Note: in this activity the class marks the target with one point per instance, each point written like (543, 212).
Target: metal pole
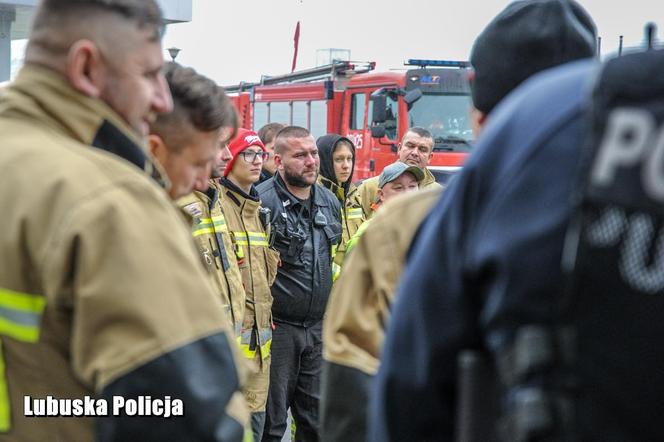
(7, 16)
(620, 46)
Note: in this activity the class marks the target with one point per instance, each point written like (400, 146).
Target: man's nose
(162, 101)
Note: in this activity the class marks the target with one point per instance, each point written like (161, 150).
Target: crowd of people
(154, 249)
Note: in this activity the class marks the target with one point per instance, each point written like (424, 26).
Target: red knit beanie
(245, 138)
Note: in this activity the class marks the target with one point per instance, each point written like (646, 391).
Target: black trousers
(294, 382)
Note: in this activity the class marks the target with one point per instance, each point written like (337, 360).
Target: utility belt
(525, 395)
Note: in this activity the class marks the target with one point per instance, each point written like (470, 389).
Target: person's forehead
(304, 143)
(413, 138)
(143, 50)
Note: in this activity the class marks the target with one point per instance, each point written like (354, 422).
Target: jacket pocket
(272, 262)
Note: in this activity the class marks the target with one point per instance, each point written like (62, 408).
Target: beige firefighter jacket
(369, 188)
(258, 264)
(359, 306)
(215, 245)
(352, 215)
(99, 276)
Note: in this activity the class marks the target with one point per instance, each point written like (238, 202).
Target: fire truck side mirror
(378, 131)
(379, 108)
(411, 97)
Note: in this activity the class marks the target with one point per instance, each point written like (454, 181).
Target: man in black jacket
(306, 227)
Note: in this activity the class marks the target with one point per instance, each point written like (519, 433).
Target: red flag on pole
(296, 41)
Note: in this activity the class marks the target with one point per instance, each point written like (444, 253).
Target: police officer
(306, 226)
(101, 290)
(360, 304)
(257, 261)
(489, 259)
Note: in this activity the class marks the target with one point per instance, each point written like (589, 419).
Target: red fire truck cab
(372, 109)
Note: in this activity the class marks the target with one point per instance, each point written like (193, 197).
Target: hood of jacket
(327, 144)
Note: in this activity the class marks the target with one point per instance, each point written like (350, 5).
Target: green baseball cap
(395, 170)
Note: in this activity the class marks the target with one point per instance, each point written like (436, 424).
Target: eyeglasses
(251, 155)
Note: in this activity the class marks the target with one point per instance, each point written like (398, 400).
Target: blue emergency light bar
(440, 63)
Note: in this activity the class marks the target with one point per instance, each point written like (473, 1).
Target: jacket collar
(45, 95)
(285, 195)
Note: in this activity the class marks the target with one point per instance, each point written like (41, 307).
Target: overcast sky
(238, 40)
(234, 41)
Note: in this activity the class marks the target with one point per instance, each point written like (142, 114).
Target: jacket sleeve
(352, 332)
(430, 323)
(145, 319)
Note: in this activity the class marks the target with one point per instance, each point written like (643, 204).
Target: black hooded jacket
(326, 146)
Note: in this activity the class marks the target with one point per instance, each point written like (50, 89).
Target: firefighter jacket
(352, 215)
(369, 188)
(217, 250)
(102, 295)
(488, 260)
(258, 264)
(359, 310)
(305, 234)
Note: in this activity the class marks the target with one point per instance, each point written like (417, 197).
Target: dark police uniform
(488, 266)
(304, 233)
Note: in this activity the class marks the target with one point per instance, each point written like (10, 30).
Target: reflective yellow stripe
(265, 349)
(248, 435)
(210, 225)
(336, 271)
(20, 315)
(5, 409)
(20, 318)
(354, 213)
(257, 239)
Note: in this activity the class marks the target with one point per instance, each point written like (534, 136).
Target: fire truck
(373, 109)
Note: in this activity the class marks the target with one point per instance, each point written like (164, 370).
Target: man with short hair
(257, 262)
(214, 240)
(102, 294)
(415, 149)
(267, 134)
(185, 141)
(305, 228)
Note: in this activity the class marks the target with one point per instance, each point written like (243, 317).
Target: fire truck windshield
(447, 118)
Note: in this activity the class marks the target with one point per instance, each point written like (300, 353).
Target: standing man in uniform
(214, 241)
(257, 261)
(305, 227)
(101, 290)
(415, 149)
(267, 134)
(491, 251)
(361, 303)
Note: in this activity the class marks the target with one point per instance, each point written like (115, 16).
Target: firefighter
(257, 261)
(361, 302)
(305, 226)
(102, 295)
(267, 134)
(185, 142)
(214, 241)
(337, 162)
(415, 149)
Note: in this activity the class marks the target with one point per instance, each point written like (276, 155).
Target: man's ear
(379, 195)
(277, 161)
(158, 149)
(477, 120)
(86, 68)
